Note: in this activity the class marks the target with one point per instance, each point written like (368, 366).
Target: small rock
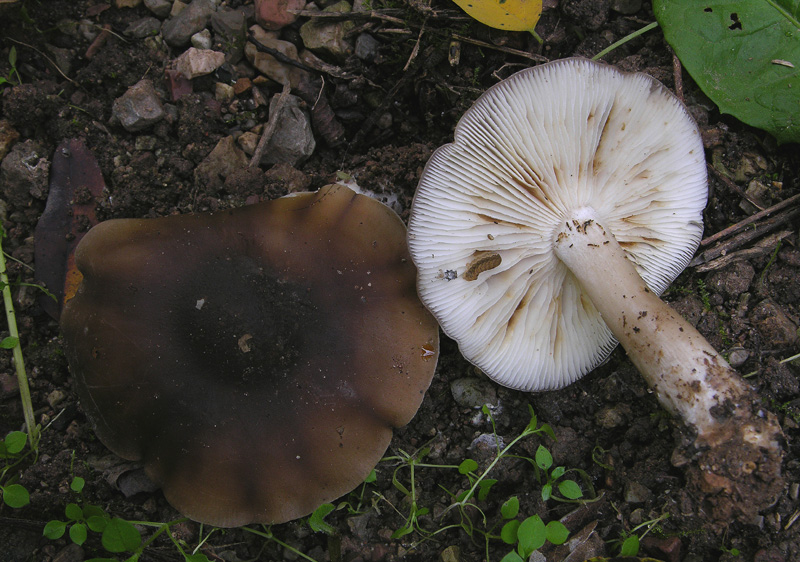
(231, 29)
(667, 548)
(223, 92)
(178, 29)
(177, 84)
(611, 417)
(221, 162)
(201, 39)
(358, 525)
(145, 142)
(8, 136)
(287, 179)
(139, 107)
(198, 62)
(367, 47)
(268, 65)
(636, 493)
(62, 58)
(24, 173)
(144, 27)
(242, 85)
(56, 397)
(773, 325)
(329, 36)
(737, 356)
(275, 14)
(451, 554)
(159, 8)
(177, 7)
(471, 392)
(135, 482)
(248, 141)
(733, 280)
(484, 448)
(293, 141)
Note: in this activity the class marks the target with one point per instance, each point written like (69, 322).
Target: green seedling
(117, 535)
(629, 541)
(266, 533)
(12, 61)
(12, 453)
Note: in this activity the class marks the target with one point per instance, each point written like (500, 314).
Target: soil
(608, 427)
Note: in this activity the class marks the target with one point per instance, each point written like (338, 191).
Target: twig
(751, 219)
(415, 50)
(271, 126)
(745, 237)
(280, 57)
(733, 187)
(761, 248)
(507, 50)
(99, 41)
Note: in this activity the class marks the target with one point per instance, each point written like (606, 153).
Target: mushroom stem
(689, 377)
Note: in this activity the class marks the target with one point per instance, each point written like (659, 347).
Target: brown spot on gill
(481, 263)
(495, 220)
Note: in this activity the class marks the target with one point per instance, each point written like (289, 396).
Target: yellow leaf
(511, 15)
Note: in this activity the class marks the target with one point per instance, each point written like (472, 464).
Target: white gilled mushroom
(571, 197)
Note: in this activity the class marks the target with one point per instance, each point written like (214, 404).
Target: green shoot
(625, 39)
(12, 61)
(12, 342)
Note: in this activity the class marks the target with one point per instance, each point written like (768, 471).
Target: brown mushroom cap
(255, 360)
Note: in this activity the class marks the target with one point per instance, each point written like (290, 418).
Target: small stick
(677, 75)
(98, 42)
(271, 126)
(733, 187)
(745, 237)
(751, 219)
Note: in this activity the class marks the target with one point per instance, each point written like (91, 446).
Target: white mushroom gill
(539, 144)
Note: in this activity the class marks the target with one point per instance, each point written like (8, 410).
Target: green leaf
(97, 523)
(510, 509)
(512, 557)
(77, 484)
(532, 535)
(467, 466)
(77, 533)
(744, 55)
(630, 546)
(402, 531)
(54, 529)
(73, 512)
(9, 343)
(484, 486)
(544, 459)
(16, 496)
(316, 519)
(557, 472)
(509, 531)
(557, 533)
(371, 477)
(12, 56)
(15, 441)
(547, 491)
(196, 557)
(120, 536)
(570, 489)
